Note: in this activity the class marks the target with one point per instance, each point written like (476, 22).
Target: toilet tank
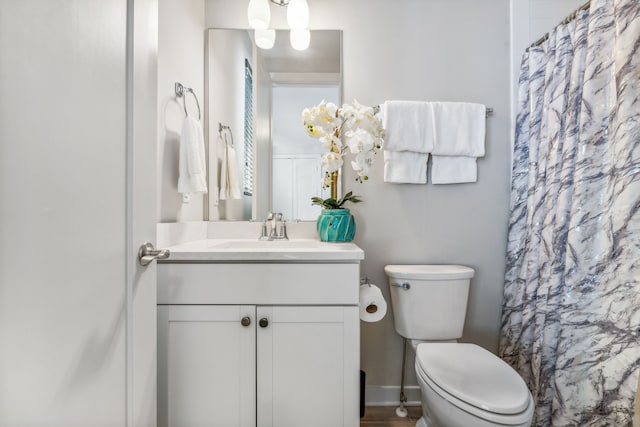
(429, 301)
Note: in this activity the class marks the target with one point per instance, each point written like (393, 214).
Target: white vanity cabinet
(206, 366)
(258, 344)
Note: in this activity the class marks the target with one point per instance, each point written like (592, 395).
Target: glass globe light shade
(300, 39)
(259, 14)
(265, 39)
(298, 14)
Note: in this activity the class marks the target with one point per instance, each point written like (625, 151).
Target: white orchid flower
(353, 128)
(331, 161)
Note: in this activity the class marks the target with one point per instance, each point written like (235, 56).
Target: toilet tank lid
(429, 272)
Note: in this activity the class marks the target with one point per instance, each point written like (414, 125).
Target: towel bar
(488, 111)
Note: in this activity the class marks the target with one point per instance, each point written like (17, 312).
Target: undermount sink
(266, 244)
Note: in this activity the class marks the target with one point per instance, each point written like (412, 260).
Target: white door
(207, 366)
(77, 168)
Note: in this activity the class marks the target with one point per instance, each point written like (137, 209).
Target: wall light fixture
(259, 16)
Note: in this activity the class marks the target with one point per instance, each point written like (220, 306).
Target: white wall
(181, 35)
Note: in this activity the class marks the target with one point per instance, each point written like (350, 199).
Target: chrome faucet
(278, 233)
(274, 227)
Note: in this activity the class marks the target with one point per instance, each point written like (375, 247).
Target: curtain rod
(566, 20)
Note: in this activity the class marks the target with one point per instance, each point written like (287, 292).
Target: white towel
(192, 175)
(453, 169)
(452, 132)
(406, 124)
(458, 129)
(458, 139)
(405, 167)
(229, 180)
(406, 145)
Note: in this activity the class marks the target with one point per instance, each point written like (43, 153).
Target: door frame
(141, 211)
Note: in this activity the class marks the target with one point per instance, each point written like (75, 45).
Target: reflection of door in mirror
(297, 175)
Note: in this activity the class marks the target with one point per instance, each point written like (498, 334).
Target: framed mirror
(260, 158)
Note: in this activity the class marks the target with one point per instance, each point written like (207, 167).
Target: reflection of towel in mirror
(192, 169)
(229, 180)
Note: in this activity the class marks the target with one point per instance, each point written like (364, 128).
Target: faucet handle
(264, 234)
(281, 232)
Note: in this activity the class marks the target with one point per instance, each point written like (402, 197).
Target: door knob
(245, 321)
(264, 322)
(148, 253)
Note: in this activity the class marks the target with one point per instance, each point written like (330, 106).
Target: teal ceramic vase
(336, 225)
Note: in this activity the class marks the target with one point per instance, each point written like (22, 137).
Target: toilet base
(422, 423)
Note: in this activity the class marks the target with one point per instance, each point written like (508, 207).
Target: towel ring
(223, 130)
(181, 91)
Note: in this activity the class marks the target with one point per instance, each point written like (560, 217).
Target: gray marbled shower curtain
(571, 318)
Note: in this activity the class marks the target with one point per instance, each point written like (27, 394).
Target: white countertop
(250, 250)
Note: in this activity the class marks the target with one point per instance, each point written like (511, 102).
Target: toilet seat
(474, 380)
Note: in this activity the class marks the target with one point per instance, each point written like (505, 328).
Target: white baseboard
(389, 395)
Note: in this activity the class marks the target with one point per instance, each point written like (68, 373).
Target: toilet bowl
(462, 385)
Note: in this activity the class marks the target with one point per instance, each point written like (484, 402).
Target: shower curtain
(571, 317)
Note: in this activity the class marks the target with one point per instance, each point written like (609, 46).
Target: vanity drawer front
(279, 284)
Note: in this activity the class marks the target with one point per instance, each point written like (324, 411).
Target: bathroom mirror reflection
(254, 99)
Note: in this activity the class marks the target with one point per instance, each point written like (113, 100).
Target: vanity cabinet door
(308, 366)
(206, 366)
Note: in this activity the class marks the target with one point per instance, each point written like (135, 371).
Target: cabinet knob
(246, 321)
(264, 322)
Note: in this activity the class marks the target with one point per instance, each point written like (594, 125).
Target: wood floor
(385, 416)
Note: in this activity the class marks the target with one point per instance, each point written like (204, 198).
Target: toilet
(461, 385)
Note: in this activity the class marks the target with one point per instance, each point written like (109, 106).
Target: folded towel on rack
(458, 129)
(229, 178)
(453, 169)
(406, 144)
(405, 167)
(454, 131)
(407, 124)
(458, 136)
(192, 175)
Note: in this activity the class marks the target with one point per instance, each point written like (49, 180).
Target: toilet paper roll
(373, 307)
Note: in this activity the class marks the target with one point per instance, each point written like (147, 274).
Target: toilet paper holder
(371, 308)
